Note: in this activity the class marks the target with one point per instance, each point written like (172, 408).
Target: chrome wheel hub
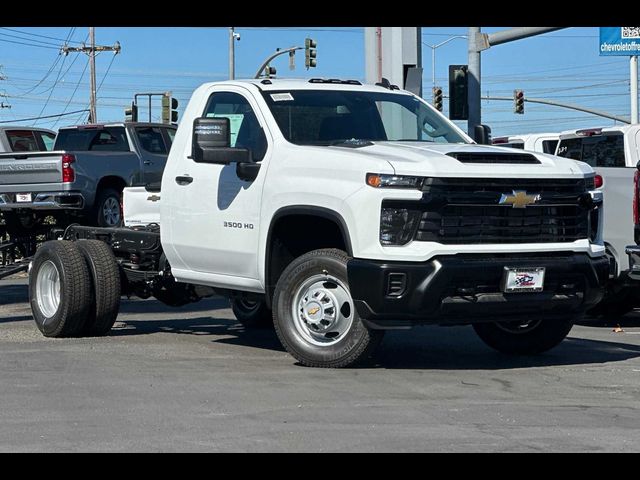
(48, 289)
(322, 310)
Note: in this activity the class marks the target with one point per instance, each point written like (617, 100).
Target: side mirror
(211, 142)
(482, 134)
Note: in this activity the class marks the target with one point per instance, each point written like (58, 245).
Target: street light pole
(433, 55)
(232, 55)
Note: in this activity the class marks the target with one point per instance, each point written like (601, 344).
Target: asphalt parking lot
(193, 379)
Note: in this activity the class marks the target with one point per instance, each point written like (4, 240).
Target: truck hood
(418, 158)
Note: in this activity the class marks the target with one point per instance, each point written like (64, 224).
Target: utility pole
(92, 51)
(473, 75)
(3, 95)
(633, 65)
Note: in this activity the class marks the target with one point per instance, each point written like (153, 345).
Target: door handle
(184, 180)
(147, 162)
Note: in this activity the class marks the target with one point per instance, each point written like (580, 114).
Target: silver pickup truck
(83, 177)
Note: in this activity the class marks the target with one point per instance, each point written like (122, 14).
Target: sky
(36, 81)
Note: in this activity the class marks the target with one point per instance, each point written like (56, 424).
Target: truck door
(153, 152)
(215, 215)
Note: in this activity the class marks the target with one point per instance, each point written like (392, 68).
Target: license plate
(517, 280)
(23, 197)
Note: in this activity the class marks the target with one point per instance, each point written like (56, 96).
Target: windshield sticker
(281, 97)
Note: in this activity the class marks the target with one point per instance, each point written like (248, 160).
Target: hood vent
(495, 157)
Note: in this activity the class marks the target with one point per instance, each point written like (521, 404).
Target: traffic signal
(169, 109)
(518, 101)
(270, 72)
(437, 98)
(131, 113)
(310, 53)
(458, 92)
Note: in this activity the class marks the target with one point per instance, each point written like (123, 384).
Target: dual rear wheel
(74, 288)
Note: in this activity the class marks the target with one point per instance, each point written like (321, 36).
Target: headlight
(398, 225)
(377, 180)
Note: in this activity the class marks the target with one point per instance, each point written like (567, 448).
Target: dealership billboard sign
(619, 41)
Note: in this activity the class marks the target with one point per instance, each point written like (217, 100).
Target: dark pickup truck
(83, 177)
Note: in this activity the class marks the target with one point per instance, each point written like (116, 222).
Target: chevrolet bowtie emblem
(153, 198)
(519, 199)
(313, 311)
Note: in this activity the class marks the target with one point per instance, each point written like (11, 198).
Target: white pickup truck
(613, 152)
(335, 211)
(534, 142)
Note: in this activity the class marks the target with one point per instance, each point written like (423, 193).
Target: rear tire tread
(105, 276)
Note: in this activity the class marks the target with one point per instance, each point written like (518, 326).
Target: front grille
(467, 211)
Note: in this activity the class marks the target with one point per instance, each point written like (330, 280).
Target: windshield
(331, 117)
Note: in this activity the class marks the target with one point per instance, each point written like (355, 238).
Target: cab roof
(272, 84)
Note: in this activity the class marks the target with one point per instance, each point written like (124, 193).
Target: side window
(604, 150)
(549, 146)
(47, 140)
(171, 134)
(598, 150)
(246, 132)
(110, 140)
(151, 139)
(22, 141)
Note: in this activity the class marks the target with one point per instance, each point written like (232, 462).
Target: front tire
(314, 314)
(59, 289)
(521, 338)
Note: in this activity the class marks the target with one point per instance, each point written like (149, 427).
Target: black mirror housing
(211, 142)
(482, 134)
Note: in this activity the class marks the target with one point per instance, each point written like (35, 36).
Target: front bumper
(634, 261)
(44, 201)
(465, 288)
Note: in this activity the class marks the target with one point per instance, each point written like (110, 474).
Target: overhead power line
(39, 35)
(29, 44)
(46, 116)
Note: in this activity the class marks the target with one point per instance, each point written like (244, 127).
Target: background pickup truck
(613, 152)
(26, 139)
(83, 177)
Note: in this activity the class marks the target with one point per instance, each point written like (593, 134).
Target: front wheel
(314, 314)
(524, 338)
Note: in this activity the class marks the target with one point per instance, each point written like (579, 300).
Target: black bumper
(464, 288)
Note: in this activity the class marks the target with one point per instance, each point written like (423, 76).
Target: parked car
(335, 211)
(614, 153)
(83, 177)
(534, 142)
(26, 139)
